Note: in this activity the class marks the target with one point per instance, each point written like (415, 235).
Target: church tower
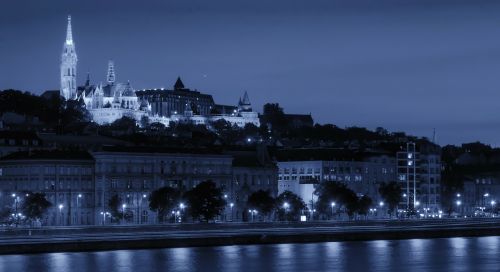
(111, 73)
(68, 66)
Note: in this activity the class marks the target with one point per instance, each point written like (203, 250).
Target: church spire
(69, 32)
(69, 60)
(111, 72)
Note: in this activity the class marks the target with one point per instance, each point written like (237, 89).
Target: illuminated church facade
(113, 100)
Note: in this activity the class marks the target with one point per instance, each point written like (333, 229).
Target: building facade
(419, 173)
(66, 178)
(133, 175)
(252, 171)
(362, 174)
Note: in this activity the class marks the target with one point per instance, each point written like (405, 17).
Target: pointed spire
(178, 84)
(246, 100)
(111, 72)
(87, 82)
(69, 33)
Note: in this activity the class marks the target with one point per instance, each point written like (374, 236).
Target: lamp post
(459, 202)
(181, 206)
(140, 208)
(123, 212)
(493, 203)
(16, 217)
(225, 209)
(61, 206)
(381, 205)
(333, 206)
(484, 198)
(231, 205)
(104, 217)
(78, 208)
(252, 212)
(285, 207)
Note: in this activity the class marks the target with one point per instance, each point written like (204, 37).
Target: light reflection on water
(453, 254)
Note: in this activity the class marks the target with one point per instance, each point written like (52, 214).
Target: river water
(451, 254)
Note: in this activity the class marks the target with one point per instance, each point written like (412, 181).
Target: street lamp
(484, 198)
(140, 208)
(182, 206)
(104, 217)
(78, 208)
(252, 212)
(231, 205)
(16, 200)
(332, 205)
(285, 207)
(493, 203)
(61, 206)
(123, 212)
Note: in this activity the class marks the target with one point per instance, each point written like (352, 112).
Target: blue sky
(411, 66)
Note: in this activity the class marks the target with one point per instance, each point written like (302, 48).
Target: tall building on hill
(113, 100)
(68, 65)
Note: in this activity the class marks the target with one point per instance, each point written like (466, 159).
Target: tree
(163, 200)
(114, 204)
(205, 201)
(262, 201)
(391, 193)
(35, 205)
(329, 192)
(364, 204)
(289, 206)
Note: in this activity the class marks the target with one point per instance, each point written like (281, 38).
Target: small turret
(245, 104)
(178, 84)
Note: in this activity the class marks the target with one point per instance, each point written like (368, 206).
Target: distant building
(132, 173)
(299, 120)
(481, 194)
(66, 178)
(15, 141)
(252, 171)
(419, 173)
(300, 170)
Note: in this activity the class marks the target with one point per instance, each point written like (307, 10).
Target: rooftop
(48, 155)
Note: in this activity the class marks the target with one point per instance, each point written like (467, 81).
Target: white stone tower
(111, 73)
(68, 66)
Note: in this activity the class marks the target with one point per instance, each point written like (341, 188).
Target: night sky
(407, 67)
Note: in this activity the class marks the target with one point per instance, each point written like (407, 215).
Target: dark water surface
(452, 254)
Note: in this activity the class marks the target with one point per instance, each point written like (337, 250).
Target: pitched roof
(178, 84)
(49, 155)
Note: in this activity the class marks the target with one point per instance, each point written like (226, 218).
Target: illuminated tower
(68, 66)
(111, 73)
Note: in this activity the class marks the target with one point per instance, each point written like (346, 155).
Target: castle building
(68, 65)
(114, 100)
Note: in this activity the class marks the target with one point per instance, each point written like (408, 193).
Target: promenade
(27, 240)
